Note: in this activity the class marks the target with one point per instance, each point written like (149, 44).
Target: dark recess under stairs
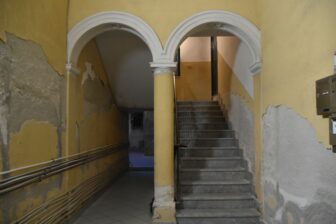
(214, 185)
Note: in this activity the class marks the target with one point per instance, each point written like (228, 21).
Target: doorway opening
(141, 140)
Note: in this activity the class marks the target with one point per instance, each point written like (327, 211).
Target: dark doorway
(214, 68)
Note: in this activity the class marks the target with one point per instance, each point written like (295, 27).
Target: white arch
(96, 24)
(227, 21)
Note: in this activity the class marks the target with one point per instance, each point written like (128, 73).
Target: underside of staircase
(214, 185)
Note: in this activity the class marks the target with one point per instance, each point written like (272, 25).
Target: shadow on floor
(126, 201)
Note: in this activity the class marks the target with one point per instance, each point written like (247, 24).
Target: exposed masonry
(97, 94)
(242, 122)
(30, 89)
(299, 174)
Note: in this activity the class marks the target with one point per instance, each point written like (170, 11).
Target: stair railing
(176, 144)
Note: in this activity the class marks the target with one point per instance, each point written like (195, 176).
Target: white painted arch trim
(227, 21)
(96, 24)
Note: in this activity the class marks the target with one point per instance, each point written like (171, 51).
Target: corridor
(126, 201)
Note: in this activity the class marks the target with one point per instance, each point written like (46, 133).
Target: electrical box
(326, 96)
(332, 132)
(326, 104)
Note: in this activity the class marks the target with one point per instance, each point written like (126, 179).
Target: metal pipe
(62, 208)
(55, 160)
(19, 181)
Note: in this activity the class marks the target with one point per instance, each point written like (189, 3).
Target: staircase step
(197, 103)
(214, 174)
(209, 151)
(203, 126)
(209, 142)
(199, 113)
(212, 105)
(214, 185)
(209, 119)
(200, 110)
(211, 162)
(218, 216)
(207, 134)
(217, 200)
(242, 186)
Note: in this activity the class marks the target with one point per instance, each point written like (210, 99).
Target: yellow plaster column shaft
(164, 205)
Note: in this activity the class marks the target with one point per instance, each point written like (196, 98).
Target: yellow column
(164, 205)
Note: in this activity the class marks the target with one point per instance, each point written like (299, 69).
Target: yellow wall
(229, 83)
(290, 68)
(44, 22)
(108, 124)
(96, 127)
(162, 16)
(35, 143)
(226, 54)
(194, 81)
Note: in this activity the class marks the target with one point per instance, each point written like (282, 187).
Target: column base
(164, 215)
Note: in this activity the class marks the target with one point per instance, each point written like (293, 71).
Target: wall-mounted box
(326, 96)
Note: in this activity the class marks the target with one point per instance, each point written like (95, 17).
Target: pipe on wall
(49, 169)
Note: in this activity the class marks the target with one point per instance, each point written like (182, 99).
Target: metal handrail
(176, 144)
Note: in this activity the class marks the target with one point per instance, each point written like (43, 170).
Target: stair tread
(217, 196)
(203, 122)
(212, 158)
(213, 169)
(210, 147)
(198, 102)
(199, 111)
(207, 130)
(198, 138)
(205, 116)
(217, 213)
(206, 182)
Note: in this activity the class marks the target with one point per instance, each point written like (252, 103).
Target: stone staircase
(214, 185)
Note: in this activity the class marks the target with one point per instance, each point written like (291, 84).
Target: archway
(223, 21)
(199, 115)
(100, 28)
(99, 23)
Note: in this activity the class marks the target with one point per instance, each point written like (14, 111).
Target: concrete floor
(126, 201)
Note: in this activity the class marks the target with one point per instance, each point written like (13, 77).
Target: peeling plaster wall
(299, 174)
(94, 119)
(242, 121)
(32, 91)
(44, 22)
(95, 108)
(32, 121)
(291, 65)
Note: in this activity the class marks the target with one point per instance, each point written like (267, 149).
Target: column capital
(163, 67)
